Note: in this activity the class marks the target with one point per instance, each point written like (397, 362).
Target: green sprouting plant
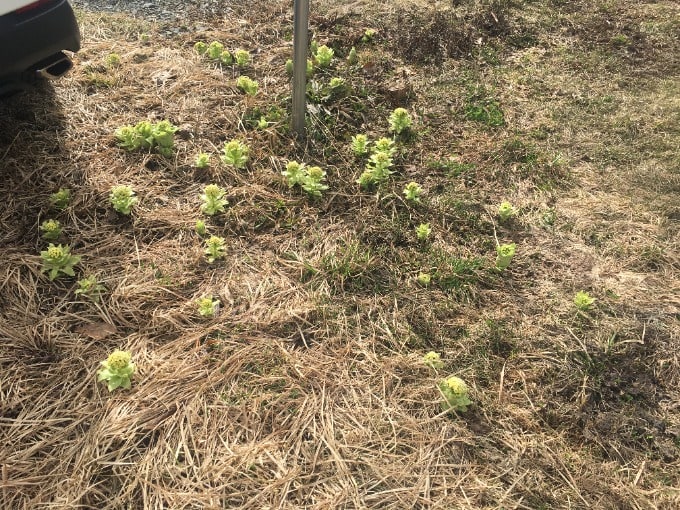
(433, 360)
(506, 211)
(312, 181)
(412, 192)
(214, 50)
(338, 87)
(247, 85)
(226, 58)
(215, 248)
(122, 199)
(213, 200)
(207, 306)
(377, 169)
(309, 71)
(262, 123)
(400, 121)
(144, 38)
(352, 57)
(58, 259)
(423, 231)
(504, 254)
(60, 199)
(146, 135)
(90, 288)
(235, 153)
(360, 145)
(51, 230)
(201, 48)
(309, 178)
(132, 137)
(202, 160)
(294, 173)
(117, 370)
(424, 279)
(583, 301)
(163, 133)
(112, 60)
(368, 36)
(455, 393)
(323, 56)
(384, 144)
(337, 82)
(242, 58)
(200, 228)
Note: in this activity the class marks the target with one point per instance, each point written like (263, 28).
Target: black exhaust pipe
(58, 66)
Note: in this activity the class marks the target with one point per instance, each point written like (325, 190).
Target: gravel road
(158, 10)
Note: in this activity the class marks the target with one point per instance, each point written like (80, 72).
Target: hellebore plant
(207, 306)
(360, 145)
(312, 181)
(506, 211)
(384, 145)
(247, 85)
(424, 279)
(235, 153)
(295, 173)
(51, 230)
(412, 192)
(60, 199)
(226, 58)
(117, 370)
(122, 199)
(368, 36)
(433, 360)
(377, 169)
(214, 50)
(201, 48)
(309, 71)
(504, 254)
(90, 288)
(147, 135)
(455, 393)
(202, 160)
(58, 259)
(200, 228)
(352, 57)
(213, 201)
(423, 231)
(309, 178)
(583, 301)
(215, 247)
(323, 56)
(338, 87)
(112, 60)
(242, 58)
(400, 121)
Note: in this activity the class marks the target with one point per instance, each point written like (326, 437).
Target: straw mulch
(307, 389)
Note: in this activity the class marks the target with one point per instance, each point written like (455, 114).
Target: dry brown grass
(307, 390)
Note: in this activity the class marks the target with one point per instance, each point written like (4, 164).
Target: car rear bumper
(29, 39)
